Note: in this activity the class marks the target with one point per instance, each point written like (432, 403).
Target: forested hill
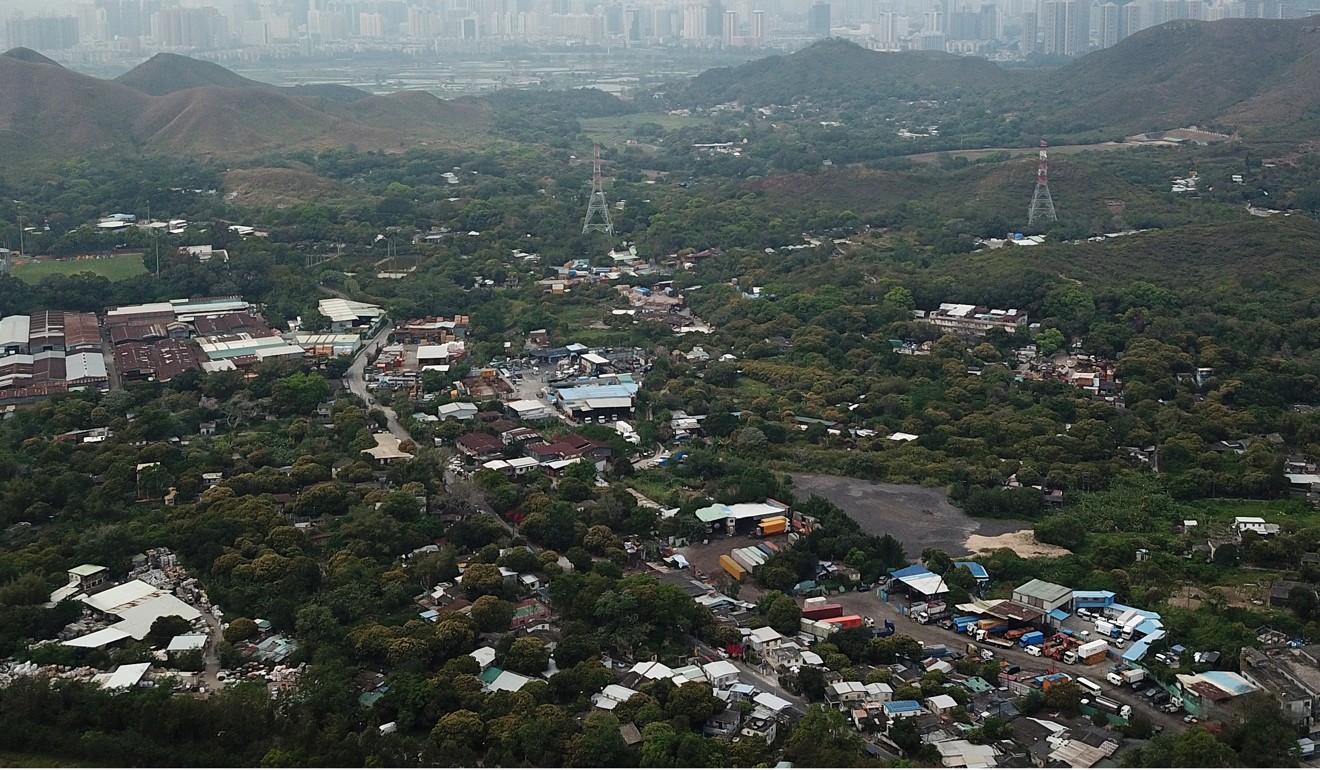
(1236, 74)
(840, 73)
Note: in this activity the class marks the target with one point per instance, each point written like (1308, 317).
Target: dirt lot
(920, 517)
(706, 558)
(1022, 542)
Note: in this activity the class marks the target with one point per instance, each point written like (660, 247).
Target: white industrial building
(346, 314)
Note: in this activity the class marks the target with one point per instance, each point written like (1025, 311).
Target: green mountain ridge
(1244, 75)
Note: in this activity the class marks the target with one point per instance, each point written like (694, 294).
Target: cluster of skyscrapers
(1002, 29)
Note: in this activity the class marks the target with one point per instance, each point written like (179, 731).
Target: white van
(1033, 650)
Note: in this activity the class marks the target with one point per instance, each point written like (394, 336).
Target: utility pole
(1042, 204)
(596, 207)
(20, 226)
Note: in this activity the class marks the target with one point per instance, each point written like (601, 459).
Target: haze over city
(109, 36)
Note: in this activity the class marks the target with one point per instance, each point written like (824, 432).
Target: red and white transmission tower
(598, 214)
(1042, 205)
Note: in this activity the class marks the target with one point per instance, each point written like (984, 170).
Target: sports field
(116, 268)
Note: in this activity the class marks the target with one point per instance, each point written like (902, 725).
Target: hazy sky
(36, 7)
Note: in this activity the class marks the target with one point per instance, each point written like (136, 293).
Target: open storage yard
(919, 517)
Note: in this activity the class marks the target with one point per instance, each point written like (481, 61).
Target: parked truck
(1121, 710)
(881, 633)
(960, 625)
(1126, 677)
(771, 526)
(822, 611)
(735, 570)
(930, 612)
(845, 621)
(1105, 628)
(1093, 652)
(1030, 638)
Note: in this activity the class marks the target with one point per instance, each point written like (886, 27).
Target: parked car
(1012, 670)
(1151, 693)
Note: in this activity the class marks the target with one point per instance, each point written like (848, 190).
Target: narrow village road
(355, 379)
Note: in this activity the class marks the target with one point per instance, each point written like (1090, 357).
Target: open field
(22, 759)
(619, 129)
(116, 268)
(919, 517)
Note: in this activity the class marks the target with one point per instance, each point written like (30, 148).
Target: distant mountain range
(1238, 74)
(1233, 75)
(180, 105)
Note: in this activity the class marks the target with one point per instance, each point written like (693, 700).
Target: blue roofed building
(1092, 599)
(1201, 692)
(897, 709)
(978, 572)
(606, 397)
(918, 582)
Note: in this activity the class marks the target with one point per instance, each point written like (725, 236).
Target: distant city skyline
(101, 31)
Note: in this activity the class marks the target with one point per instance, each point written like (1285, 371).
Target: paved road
(652, 461)
(355, 378)
(210, 657)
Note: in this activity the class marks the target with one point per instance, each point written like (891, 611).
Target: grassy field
(22, 759)
(620, 128)
(1277, 511)
(116, 268)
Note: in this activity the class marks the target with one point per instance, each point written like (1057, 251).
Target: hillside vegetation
(172, 104)
(840, 73)
(1235, 75)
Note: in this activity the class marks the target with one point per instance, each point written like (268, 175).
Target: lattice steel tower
(598, 214)
(1042, 205)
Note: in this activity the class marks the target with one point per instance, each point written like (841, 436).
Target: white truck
(1121, 710)
(1127, 677)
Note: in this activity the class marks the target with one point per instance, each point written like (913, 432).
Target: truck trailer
(822, 611)
(818, 629)
(961, 624)
(1093, 652)
(765, 550)
(846, 621)
(772, 526)
(735, 570)
(1030, 638)
(743, 559)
